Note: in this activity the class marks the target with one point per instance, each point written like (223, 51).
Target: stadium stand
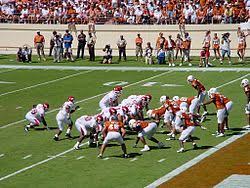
(124, 11)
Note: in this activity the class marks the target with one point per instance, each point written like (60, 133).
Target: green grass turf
(131, 61)
(92, 172)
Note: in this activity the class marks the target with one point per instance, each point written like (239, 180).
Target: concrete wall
(15, 35)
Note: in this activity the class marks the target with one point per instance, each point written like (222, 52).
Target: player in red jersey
(245, 85)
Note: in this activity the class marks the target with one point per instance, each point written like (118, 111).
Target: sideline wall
(15, 35)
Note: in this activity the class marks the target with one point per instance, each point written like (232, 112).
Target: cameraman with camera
(107, 58)
(225, 47)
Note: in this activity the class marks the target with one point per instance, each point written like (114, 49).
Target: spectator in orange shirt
(39, 45)
(138, 49)
(217, 14)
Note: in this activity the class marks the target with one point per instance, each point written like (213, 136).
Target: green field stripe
(45, 83)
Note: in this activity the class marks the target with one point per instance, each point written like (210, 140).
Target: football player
(87, 125)
(64, 117)
(223, 106)
(189, 124)
(201, 95)
(143, 129)
(245, 85)
(37, 115)
(113, 131)
(111, 98)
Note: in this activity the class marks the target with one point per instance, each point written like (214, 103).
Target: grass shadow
(156, 147)
(130, 155)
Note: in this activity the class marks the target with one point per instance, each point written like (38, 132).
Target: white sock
(56, 135)
(68, 131)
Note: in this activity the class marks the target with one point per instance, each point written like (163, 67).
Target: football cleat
(26, 129)
(56, 138)
(76, 147)
(99, 156)
(181, 150)
(125, 156)
(195, 146)
(220, 135)
(146, 148)
(160, 145)
(68, 135)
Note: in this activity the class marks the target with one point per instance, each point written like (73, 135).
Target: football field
(35, 159)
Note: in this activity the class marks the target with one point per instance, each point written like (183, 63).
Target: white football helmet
(163, 99)
(183, 109)
(212, 91)
(132, 123)
(190, 78)
(244, 82)
(149, 113)
(176, 98)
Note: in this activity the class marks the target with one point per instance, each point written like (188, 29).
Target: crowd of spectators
(124, 11)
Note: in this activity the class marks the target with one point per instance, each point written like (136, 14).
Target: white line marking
(106, 158)
(118, 68)
(3, 82)
(81, 157)
(161, 160)
(44, 83)
(26, 157)
(171, 85)
(63, 156)
(1, 155)
(90, 98)
(134, 159)
(18, 107)
(235, 80)
(38, 163)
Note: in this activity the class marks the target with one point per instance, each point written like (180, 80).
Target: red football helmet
(99, 118)
(149, 97)
(112, 111)
(117, 89)
(46, 105)
(71, 98)
(125, 109)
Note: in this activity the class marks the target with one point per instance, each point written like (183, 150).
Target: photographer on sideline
(107, 58)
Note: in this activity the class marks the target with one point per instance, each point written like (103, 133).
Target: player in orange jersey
(111, 132)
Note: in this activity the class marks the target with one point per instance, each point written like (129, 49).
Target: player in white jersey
(111, 99)
(37, 115)
(87, 125)
(64, 117)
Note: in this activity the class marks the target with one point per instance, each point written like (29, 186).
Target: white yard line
(44, 83)
(1, 155)
(235, 80)
(134, 159)
(81, 157)
(123, 68)
(161, 160)
(90, 98)
(27, 156)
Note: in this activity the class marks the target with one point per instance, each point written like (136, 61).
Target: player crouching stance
(64, 117)
(145, 129)
(189, 124)
(37, 115)
(87, 125)
(111, 132)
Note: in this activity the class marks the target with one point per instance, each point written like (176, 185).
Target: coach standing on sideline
(52, 42)
(81, 44)
(122, 43)
(91, 45)
(39, 45)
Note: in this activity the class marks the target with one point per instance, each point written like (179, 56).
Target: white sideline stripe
(81, 157)
(90, 98)
(161, 160)
(18, 107)
(38, 163)
(1, 155)
(134, 159)
(44, 83)
(203, 155)
(27, 156)
(123, 68)
(105, 159)
(194, 161)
